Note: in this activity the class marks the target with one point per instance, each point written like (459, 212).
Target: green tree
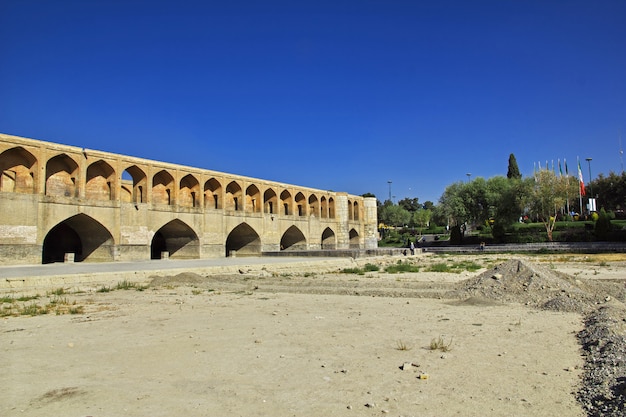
(422, 218)
(611, 191)
(393, 215)
(547, 197)
(410, 204)
(513, 171)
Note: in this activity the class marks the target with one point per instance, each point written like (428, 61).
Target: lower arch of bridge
(80, 235)
(329, 240)
(243, 240)
(293, 239)
(176, 239)
(354, 238)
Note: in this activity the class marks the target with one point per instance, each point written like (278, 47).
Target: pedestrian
(412, 247)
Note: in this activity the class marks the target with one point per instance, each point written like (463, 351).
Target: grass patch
(33, 309)
(58, 291)
(357, 271)
(371, 268)
(402, 267)
(104, 288)
(439, 343)
(439, 267)
(455, 267)
(401, 345)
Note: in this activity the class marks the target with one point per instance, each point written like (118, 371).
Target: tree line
(500, 202)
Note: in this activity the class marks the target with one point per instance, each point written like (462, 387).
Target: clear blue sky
(339, 95)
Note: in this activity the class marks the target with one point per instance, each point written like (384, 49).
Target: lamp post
(389, 182)
(469, 176)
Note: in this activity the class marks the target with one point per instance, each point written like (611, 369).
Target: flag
(560, 170)
(566, 171)
(580, 180)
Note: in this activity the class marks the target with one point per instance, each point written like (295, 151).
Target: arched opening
(233, 197)
(331, 208)
(293, 239)
(314, 209)
(329, 241)
(80, 235)
(243, 241)
(189, 192)
(300, 200)
(61, 174)
(100, 181)
(212, 194)
(162, 188)
(270, 200)
(324, 208)
(354, 239)
(18, 170)
(286, 201)
(350, 211)
(356, 211)
(175, 240)
(134, 185)
(253, 199)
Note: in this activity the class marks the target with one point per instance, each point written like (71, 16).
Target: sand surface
(295, 345)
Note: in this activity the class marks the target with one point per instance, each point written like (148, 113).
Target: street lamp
(469, 176)
(389, 182)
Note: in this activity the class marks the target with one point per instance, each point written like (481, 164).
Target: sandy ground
(294, 346)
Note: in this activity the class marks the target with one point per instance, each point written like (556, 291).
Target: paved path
(82, 268)
(12, 272)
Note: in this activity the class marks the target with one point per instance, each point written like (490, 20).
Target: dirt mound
(182, 279)
(518, 281)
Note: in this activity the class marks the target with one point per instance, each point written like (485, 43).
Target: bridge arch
(300, 201)
(253, 199)
(61, 176)
(162, 188)
(100, 181)
(293, 239)
(329, 240)
(189, 192)
(134, 185)
(177, 239)
(314, 209)
(354, 238)
(243, 240)
(213, 194)
(286, 201)
(18, 171)
(270, 201)
(233, 196)
(81, 235)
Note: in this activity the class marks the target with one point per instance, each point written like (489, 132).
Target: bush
(603, 225)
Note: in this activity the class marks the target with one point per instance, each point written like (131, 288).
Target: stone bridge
(62, 203)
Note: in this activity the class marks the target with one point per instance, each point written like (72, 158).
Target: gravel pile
(603, 340)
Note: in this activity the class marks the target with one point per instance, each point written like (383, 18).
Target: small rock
(497, 276)
(370, 405)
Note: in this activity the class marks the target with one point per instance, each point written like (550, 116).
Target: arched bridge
(60, 202)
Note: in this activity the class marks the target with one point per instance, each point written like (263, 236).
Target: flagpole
(580, 192)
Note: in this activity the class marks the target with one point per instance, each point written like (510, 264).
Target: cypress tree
(513, 171)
